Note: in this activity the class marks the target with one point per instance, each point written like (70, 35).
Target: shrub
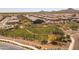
(54, 43)
(67, 36)
(44, 42)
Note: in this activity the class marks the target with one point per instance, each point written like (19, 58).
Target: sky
(28, 9)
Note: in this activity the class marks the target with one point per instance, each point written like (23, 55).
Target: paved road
(76, 44)
(75, 37)
(8, 46)
(3, 22)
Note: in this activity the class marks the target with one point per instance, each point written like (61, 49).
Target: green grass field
(36, 32)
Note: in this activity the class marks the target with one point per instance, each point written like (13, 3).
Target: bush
(54, 43)
(67, 36)
(39, 47)
(44, 42)
(52, 38)
(69, 40)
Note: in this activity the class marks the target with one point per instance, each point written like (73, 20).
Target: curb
(71, 44)
(19, 44)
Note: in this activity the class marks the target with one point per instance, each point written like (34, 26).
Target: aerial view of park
(39, 29)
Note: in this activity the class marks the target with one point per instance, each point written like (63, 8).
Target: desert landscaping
(42, 30)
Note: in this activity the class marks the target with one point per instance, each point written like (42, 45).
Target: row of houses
(9, 22)
(54, 18)
(48, 18)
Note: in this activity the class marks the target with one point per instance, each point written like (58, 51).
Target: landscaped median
(19, 44)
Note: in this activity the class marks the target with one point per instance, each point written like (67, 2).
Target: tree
(68, 36)
(44, 42)
(51, 38)
(38, 21)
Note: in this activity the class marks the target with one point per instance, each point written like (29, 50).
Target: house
(35, 20)
(13, 20)
(38, 21)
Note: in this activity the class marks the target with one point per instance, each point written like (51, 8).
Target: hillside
(69, 10)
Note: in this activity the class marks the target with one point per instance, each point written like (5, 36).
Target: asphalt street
(8, 46)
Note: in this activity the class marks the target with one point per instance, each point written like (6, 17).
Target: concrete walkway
(71, 44)
(75, 37)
